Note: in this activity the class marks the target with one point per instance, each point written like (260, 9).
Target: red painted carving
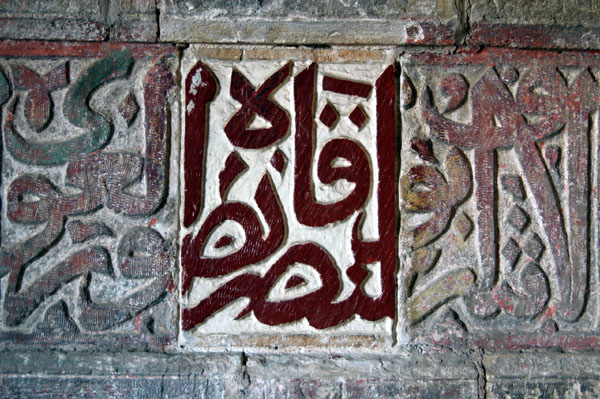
(294, 281)
(495, 123)
(344, 86)
(308, 211)
(38, 104)
(81, 232)
(255, 247)
(256, 102)
(234, 166)
(317, 306)
(200, 89)
(224, 241)
(278, 161)
(424, 149)
(128, 108)
(456, 87)
(329, 116)
(358, 117)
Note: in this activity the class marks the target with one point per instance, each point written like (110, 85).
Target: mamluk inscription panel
(288, 199)
(88, 222)
(499, 191)
(294, 223)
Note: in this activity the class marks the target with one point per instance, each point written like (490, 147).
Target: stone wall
(281, 199)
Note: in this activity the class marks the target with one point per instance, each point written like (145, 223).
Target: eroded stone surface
(88, 216)
(538, 23)
(288, 218)
(548, 12)
(322, 22)
(514, 151)
(53, 19)
(133, 20)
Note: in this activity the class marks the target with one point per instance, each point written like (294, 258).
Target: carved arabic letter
(495, 123)
(308, 211)
(38, 103)
(76, 110)
(255, 247)
(143, 254)
(200, 89)
(33, 199)
(257, 102)
(543, 94)
(20, 303)
(313, 306)
(158, 82)
(424, 189)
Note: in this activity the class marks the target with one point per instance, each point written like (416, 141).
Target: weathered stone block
(549, 388)
(110, 387)
(402, 375)
(545, 12)
(53, 20)
(498, 195)
(310, 22)
(133, 20)
(411, 389)
(289, 218)
(55, 374)
(539, 23)
(88, 196)
(537, 365)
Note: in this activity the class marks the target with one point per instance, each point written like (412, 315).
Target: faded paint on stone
(525, 124)
(88, 221)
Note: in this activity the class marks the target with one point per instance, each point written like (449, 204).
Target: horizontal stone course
(314, 22)
(555, 24)
(406, 374)
(116, 20)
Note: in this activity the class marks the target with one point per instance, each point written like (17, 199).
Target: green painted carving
(78, 112)
(4, 88)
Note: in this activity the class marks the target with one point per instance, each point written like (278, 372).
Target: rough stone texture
(535, 375)
(235, 376)
(538, 23)
(143, 375)
(133, 20)
(53, 20)
(359, 377)
(88, 197)
(117, 20)
(546, 12)
(310, 22)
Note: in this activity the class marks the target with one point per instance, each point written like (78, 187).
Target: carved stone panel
(288, 200)
(499, 192)
(88, 205)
